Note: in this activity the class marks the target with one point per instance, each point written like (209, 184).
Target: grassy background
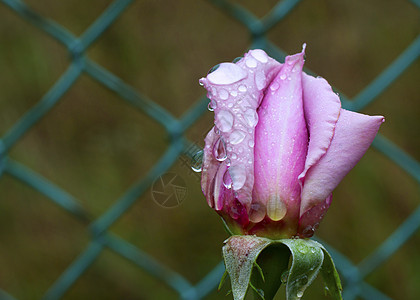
(94, 145)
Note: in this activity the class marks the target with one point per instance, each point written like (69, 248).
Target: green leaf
(307, 258)
(331, 278)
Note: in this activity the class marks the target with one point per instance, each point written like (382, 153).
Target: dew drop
(274, 86)
(251, 143)
(283, 76)
(223, 94)
(260, 80)
(224, 120)
(260, 55)
(234, 156)
(250, 62)
(276, 209)
(299, 294)
(227, 73)
(227, 180)
(251, 117)
(238, 175)
(236, 137)
(234, 93)
(242, 88)
(211, 106)
(257, 212)
(219, 150)
(197, 161)
(284, 276)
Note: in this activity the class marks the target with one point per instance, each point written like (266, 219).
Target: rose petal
(235, 91)
(209, 168)
(310, 220)
(281, 141)
(353, 135)
(322, 108)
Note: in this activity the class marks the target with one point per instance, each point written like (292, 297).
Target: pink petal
(310, 220)
(353, 135)
(322, 108)
(209, 168)
(281, 140)
(235, 91)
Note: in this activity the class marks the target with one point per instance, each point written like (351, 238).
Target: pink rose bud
(280, 145)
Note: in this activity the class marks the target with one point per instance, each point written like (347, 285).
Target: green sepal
(261, 264)
(331, 278)
(222, 280)
(307, 258)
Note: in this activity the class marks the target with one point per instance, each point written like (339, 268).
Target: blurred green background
(95, 146)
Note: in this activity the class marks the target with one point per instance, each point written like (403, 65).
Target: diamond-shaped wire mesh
(102, 238)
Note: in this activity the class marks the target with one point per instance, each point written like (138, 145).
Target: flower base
(265, 264)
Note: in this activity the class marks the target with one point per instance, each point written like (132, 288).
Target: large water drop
(236, 137)
(224, 120)
(227, 73)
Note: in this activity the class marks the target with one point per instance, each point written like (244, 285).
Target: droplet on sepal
(284, 276)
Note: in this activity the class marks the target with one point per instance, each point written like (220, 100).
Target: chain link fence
(101, 237)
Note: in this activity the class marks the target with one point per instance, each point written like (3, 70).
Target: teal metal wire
(353, 274)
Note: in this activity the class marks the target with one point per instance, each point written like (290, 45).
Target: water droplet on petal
(260, 55)
(238, 175)
(250, 62)
(251, 143)
(242, 88)
(257, 212)
(227, 180)
(260, 80)
(274, 86)
(236, 137)
(197, 161)
(219, 150)
(251, 117)
(223, 94)
(234, 93)
(224, 120)
(276, 209)
(227, 73)
(211, 106)
(283, 76)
